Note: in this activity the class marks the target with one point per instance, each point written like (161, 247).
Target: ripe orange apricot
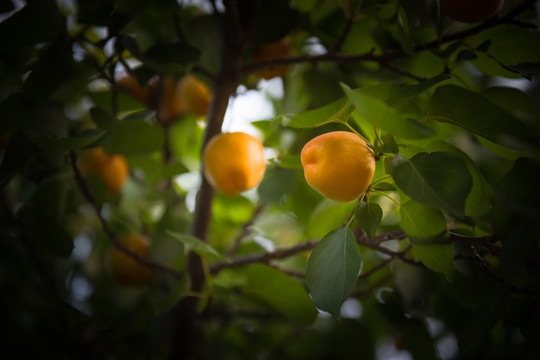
(270, 51)
(123, 268)
(338, 164)
(471, 11)
(234, 162)
(113, 169)
(195, 95)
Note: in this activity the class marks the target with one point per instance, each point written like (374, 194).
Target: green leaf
(380, 114)
(383, 186)
(429, 237)
(480, 197)
(277, 182)
(332, 269)
(132, 136)
(473, 112)
(327, 216)
(197, 245)
(62, 144)
(281, 292)
(368, 216)
(407, 93)
(336, 111)
(440, 180)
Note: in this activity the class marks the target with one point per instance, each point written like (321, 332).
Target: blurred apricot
(123, 268)
(195, 95)
(339, 165)
(271, 51)
(113, 169)
(169, 103)
(234, 162)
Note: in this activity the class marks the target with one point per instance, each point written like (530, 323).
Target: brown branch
(265, 257)
(385, 58)
(487, 241)
(87, 193)
(375, 268)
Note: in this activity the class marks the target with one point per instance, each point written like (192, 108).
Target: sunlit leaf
(336, 111)
(197, 245)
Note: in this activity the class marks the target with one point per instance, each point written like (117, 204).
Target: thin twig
(87, 193)
(375, 268)
(245, 230)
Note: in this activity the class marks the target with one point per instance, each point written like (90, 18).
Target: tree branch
(87, 193)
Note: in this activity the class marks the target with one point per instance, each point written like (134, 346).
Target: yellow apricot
(234, 162)
(123, 268)
(113, 169)
(195, 95)
(338, 164)
(169, 100)
(270, 51)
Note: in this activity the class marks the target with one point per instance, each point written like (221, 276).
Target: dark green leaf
(279, 291)
(480, 197)
(332, 269)
(407, 93)
(428, 233)
(368, 216)
(267, 29)
(440, 180)
(473, 112)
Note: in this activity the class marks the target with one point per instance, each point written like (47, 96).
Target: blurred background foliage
(466, 105)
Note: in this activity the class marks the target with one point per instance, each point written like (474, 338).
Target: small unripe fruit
(234, 162)
(339, 165)
(123, 268)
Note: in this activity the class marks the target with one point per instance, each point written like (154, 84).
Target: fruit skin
(269, 51)
(339, 165)
(124, 269)
(113, 169)
(195, 95)
(234, 162)
(471, 10)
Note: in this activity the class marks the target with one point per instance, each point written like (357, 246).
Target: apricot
(234, 162)
(113, 169)
(339, 165)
